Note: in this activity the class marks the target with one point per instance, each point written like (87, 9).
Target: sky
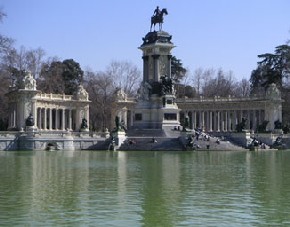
(226, 34)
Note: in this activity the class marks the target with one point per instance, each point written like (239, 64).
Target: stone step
(149, 143)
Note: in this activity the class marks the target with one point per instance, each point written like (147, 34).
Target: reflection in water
(145, 188)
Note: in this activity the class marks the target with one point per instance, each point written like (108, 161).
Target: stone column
(45, 119)
(218, 121)
(222, 125)
(39, 118)
(210, 121)
(50, 119)
(14, 117)
(202, 120)
(63, 120)
(156, 67)
(226, 120)
(230, 120)
(70, 119)
(56, 119)
(145, 68)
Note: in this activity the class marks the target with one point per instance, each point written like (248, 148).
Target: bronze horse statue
(158, 19)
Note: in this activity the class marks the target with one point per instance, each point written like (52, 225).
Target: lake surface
(101, 188)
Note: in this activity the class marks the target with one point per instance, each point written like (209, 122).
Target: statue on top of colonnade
(81, 93)
(273, 92)
(29, 82)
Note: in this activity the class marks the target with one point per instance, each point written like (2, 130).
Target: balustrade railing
(49, 134)
(54, 96)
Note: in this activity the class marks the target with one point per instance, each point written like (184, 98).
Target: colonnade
(223, 120)
(56, 119)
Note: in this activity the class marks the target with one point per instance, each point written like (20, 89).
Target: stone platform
(61, 140)
(169, 139)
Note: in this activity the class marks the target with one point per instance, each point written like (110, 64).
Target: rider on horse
(158, 17)
(157, 12)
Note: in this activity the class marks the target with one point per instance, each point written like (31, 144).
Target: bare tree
(243, 88)
(197, 80)
(34, 61)
(222, 85)
(125, 76)
(101, 89)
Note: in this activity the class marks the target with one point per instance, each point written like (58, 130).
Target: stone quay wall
(57, 140)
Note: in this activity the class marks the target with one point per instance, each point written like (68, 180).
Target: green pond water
(101, 188)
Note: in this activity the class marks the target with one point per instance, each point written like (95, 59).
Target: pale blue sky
(227, 34)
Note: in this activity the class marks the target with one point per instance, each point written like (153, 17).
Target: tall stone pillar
(45, 119)
(50, 119)
(156, 107)
(230, 120)
(145, 68)
(56, 119)
(70, 119)
(210, 121)
(222, 120)
(218, 121)
(63, 120)
(202, 120)
(156, 67)
(39, 118)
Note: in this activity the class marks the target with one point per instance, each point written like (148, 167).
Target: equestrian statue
(158, 17)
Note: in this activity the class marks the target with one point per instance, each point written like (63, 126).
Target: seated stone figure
(29, 120)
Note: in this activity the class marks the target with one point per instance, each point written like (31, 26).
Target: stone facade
(51, 112)
(223, 114)
(219, 114)
(155, 107)
(40, 121)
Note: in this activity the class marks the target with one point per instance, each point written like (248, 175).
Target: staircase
(151, 143)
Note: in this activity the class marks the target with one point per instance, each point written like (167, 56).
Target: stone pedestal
(30, 130)
(156, 107)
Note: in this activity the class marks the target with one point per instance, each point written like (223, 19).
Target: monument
(157, 112)
(156, 107)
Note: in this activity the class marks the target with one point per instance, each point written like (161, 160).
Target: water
(98, 188)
